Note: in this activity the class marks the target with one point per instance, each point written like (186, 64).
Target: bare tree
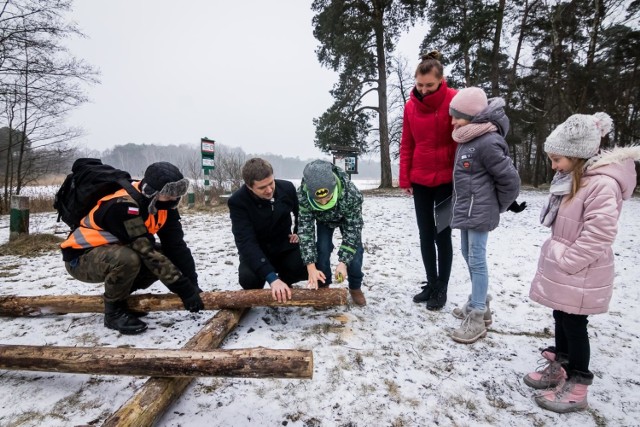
(400, 84)
(227, 176)
(40, 82)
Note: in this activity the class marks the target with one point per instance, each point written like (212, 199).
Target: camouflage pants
(118, 266)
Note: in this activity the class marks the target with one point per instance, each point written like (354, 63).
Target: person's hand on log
(280, 291)
(293, 238)
(341, 272)
(188, 293)
(315, 275)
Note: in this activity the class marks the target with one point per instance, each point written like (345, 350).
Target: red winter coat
(427, 150)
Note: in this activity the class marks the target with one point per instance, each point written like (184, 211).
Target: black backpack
(89, 181)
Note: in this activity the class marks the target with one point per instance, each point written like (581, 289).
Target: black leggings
(436, 264)
(572, 339)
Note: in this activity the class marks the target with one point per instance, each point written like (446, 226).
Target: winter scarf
(560, 186)
(471, 131)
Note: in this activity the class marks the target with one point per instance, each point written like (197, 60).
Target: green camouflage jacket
(346, 215)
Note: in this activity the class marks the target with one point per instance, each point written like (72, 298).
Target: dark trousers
(436, 263)
(325, 247)
(288, 265)
(572, 339)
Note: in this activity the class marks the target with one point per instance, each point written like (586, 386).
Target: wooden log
(239, 363)
(15, 306)
(158, 393)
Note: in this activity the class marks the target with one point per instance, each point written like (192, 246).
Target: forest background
(547, 59)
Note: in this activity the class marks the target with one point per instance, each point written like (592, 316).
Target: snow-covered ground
(390, 363)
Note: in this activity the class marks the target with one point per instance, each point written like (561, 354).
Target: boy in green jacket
(329, 200)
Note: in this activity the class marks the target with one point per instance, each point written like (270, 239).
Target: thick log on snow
(14, 306)
(158, 393)
(242, 363)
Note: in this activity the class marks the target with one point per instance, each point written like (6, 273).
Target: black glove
(194, 280)
(515, 207)
(188, 293)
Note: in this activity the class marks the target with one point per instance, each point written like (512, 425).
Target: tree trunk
(158, 393)
(241, 363)
(23, 137)
(464, 46)
(8, 166)
(13, 306)
(591, 54)
(386, 180)
(495, 54)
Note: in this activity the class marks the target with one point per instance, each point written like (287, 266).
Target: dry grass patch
(31, 245)
(386, 192)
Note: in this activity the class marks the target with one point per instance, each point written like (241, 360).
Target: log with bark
(15, 306)
(243, 363)
(156, 395)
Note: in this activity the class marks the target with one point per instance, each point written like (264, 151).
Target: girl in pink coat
(575, 269)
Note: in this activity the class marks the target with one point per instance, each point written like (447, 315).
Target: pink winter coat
(575, 269)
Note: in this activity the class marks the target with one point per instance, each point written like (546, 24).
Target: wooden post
(207, 188)
(239, 363)
(191, 199)
(15, 306)
(19, 217)
(157, 394)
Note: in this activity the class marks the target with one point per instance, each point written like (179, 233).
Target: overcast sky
(243, 73)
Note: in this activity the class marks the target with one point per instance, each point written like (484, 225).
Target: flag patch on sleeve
(133, 210)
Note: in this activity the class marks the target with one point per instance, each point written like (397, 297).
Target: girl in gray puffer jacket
(485, 184)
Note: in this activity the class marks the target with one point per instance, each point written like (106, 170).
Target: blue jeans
(474, 252)
(324, 246)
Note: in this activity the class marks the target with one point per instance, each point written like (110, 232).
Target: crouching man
(261, 221)
(115, 244)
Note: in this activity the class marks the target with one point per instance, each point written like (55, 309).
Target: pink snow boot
(550, 374)
(568, 397)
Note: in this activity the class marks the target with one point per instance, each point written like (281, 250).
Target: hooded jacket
(346, 215)
(427, 149)
(485, 181)
(576, 266)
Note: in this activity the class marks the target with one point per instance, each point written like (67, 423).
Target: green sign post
(208, 150)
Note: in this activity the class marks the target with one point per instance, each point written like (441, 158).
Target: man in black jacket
(262, 228)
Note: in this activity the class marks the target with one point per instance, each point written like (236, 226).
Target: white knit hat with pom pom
(579, 136)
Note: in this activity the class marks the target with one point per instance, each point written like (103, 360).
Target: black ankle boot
(423, 296)
(116, 316)
(438, 297)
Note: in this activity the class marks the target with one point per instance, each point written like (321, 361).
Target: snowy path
(388, 364)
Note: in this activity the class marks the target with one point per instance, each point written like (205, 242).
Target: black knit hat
(158, 175)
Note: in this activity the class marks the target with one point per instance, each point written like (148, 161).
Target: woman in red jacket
(427, 152)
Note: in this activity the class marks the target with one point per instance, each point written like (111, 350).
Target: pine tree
(356, 37)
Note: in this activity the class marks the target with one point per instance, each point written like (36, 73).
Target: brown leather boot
(358, 297)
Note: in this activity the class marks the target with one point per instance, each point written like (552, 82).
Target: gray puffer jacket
(485, 181)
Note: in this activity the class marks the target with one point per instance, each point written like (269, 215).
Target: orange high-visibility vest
(90, 235)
